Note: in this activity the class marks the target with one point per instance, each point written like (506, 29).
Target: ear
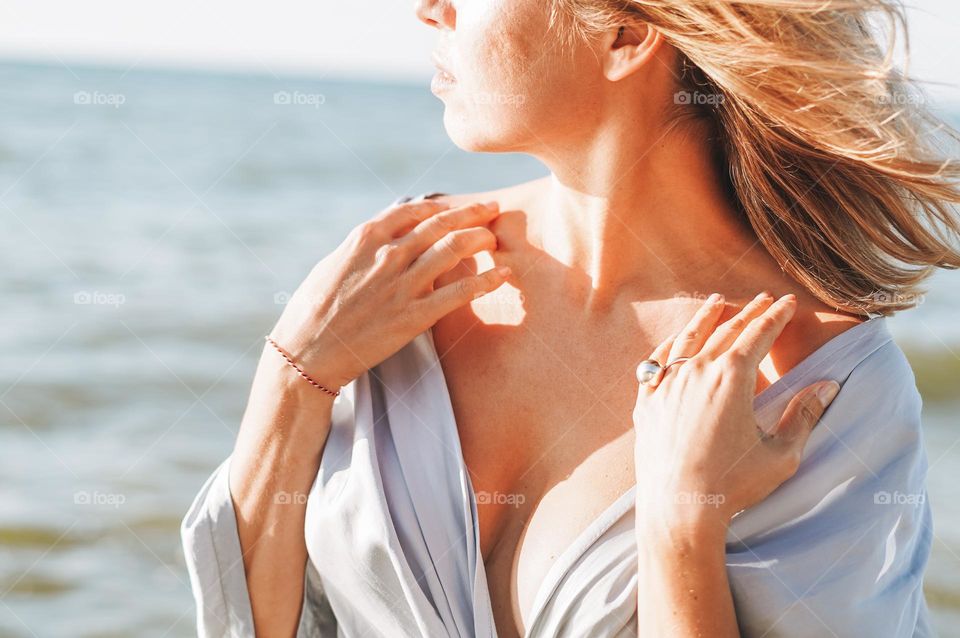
(628, 49)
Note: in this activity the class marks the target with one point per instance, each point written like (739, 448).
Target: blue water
(153, 223)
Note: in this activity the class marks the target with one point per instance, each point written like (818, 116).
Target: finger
(659, 355)
(695, 333)
(724, 336)
(431, 230)
(444, 255)
(446, 299)
(803, 412)
(757, 338)
(399, 219)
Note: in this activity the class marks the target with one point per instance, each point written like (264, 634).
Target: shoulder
(511, 229)
(877, 381)
(853, 522)
(813, 327)
(868, 440)
(881, 390)
(871, 432)
(514, 197)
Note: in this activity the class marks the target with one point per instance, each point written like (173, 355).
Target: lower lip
(442, 81)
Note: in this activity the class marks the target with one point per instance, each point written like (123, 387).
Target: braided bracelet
(299, 369)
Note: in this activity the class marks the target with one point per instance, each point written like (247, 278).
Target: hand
(703, 455)
(375, 292)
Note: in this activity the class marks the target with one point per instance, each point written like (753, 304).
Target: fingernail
(492, 205)
(714, 298)
(504, 271)
(826, 393)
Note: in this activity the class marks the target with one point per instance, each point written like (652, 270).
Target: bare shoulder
(509, 228)
(516, 196)
(813, 325)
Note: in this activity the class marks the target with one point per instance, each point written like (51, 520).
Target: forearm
(274, 464)
(683, 589)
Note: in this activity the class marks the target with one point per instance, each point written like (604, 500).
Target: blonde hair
(830, 153)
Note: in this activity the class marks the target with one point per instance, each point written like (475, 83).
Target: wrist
(686, 526)
(324, 377)
(277, 382)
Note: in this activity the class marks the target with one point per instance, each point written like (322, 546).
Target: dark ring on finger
(419, 198)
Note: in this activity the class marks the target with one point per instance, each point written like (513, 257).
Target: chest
(547, 439)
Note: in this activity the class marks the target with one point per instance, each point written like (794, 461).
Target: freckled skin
(514, 83)
(633, 212)
(542, 383)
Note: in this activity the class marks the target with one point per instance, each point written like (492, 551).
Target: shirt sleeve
(211, 546)
(840, 549)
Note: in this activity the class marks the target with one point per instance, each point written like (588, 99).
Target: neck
(640, 211)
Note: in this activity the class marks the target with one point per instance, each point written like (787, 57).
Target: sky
(377, 39)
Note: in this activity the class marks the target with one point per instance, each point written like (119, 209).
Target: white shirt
(837, 550)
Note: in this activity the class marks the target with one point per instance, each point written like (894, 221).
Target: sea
(154, 222)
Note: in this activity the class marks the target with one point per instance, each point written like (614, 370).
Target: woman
(429, 451)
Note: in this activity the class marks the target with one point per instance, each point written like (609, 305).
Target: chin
(479, 134)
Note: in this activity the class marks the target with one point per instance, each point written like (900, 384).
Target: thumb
(804, 410)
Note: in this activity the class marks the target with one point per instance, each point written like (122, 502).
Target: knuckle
(366, 232)
(441, 224)
(736, 324)
(809, 411)
(765, 323)
(470, 240)
(389, 254)
(466, 287)
(413, 214)
(457, 242)
(735, 359)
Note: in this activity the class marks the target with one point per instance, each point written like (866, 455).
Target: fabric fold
(839, 549)
(214, 560)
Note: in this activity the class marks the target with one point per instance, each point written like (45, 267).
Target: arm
(273, 465)
(220, 532)
(682, 582)
(701, 457)
(358, 306)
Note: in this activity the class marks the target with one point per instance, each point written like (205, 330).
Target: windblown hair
(844, 175)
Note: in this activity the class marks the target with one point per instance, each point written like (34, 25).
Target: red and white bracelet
(299, 370)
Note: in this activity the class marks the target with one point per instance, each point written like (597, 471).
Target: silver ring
(650, 370)
(675, 362)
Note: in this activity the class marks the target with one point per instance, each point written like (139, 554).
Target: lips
(440, 62)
